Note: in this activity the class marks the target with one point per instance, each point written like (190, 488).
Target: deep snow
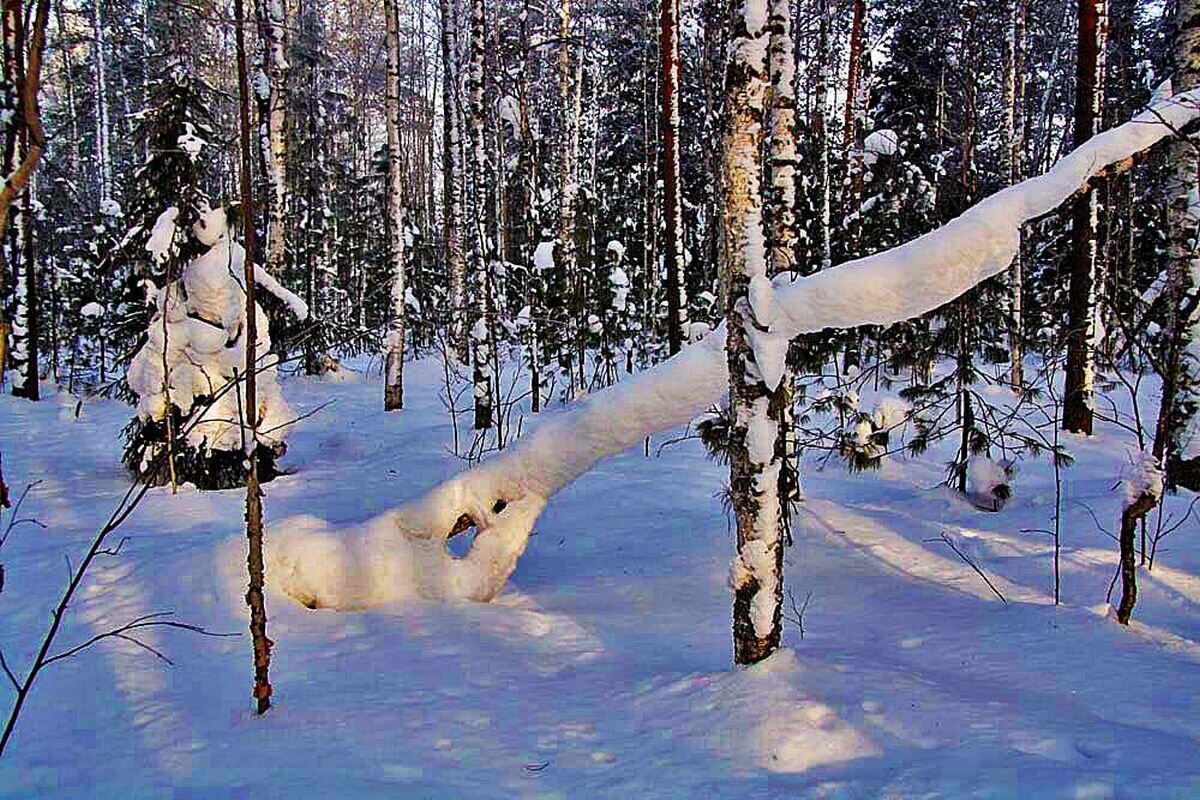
(603, 669)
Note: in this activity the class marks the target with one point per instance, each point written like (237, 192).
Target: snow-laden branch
(403, 553)
(289, 298)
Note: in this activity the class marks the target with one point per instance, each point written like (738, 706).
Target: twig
(969, 562)
(798, 613)
(16, 684)
(146, 621)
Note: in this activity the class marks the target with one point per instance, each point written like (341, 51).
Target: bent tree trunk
(403, 553)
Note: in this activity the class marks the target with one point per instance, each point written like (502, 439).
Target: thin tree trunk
(25, 71)
(452, 176)
(273, 106)
(531, 218)
(967, 311)
(481, 305)
(780, 217)
(393, 384)
(103, 148)
(823, 114)
(1078, 394)
(853, 140)
(673, 242)
(1014, 155)
(254, 511)
(1131, 516)
(568, 145)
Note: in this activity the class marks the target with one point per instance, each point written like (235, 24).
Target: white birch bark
(481, 244)
(393, 373)
(103, 149)
(1177, 437)
(673, 239)
(272, 26)
(452, 176)
(754, 424)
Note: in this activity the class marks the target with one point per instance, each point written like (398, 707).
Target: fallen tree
(403, 553)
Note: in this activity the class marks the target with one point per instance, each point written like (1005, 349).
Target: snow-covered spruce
(195, 348)
(403, 553)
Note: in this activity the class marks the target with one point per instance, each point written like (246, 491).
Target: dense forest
(621, 216)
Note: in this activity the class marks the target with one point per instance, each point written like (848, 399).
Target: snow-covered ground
(603, 670)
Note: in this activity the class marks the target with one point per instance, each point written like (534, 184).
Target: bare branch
(947, 540)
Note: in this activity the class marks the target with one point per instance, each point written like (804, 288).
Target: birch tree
(23, 71)
(780, 216)
(481, 244)
(452, 177)
(1013, 159)
(854, 132)
(1079, 391)
(393, 371)
(102, 126)
(673, 239)
(1177, 432)
(753, 465)
(273, 108)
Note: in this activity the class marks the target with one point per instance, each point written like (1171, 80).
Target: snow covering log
(403, 553)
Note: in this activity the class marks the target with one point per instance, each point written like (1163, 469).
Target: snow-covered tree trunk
(531, 217)
(26, 325)
(757, 574)
(23, 66)
(1142, 493)
(568, 147)
(822, 116)
(966, 309)
(403, 553)
(1177, 434)
(481, 243)
(1078, 392)
(271, 90)
(1013, 160)
(780, 215)
(452, 177)
(673, 241)
(100, 91)
(853, 137)
(393, 371)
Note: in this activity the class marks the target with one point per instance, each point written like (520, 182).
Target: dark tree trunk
(1078, 397)
(1130, 517)
(254, 512)
(673, 258)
